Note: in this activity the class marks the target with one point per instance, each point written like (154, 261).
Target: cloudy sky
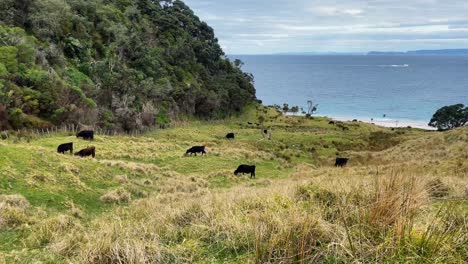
(276, 26)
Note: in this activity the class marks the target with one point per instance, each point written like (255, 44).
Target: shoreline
(383, 122)
(387, 122)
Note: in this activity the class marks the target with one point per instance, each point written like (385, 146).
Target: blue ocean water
(406, 87)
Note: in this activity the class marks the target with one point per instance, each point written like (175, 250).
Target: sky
(283, 26)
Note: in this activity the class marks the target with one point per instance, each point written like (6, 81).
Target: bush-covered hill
(112, 63)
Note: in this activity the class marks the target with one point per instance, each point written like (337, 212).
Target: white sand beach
(388, 122)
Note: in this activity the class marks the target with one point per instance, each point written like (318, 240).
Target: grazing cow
(341, 162)
(86, 135)
(331, 122)
(250, 123)
(257, 124)
(195, 150)
(246, 169)
(91, 151)
(65, 147)
(230, 136)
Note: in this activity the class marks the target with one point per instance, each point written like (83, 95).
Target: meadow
(402, 197)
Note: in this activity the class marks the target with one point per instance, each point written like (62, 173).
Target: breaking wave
(396, 65)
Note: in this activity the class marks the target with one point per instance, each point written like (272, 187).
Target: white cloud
(353, 12)
(269, 26)
(336, 11)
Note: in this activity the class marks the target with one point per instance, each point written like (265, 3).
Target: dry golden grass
(315, 219)
(117, 196)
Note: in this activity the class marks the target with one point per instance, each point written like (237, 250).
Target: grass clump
(12, 216)
(437, 189)
(113, 243)
(13, 211)
(117, 196)
(14, 200)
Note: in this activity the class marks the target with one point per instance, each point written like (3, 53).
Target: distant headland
(423, 52)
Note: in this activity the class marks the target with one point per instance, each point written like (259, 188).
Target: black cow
(230, 136)
(65, 147)
(86, 135)
(195, 150)
(355, 120)
(246, 169)
(331, 122)
(91, 151)
(250, 123)
(341, 162)
(265, 131)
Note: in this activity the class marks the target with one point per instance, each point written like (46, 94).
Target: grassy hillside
(401, 199)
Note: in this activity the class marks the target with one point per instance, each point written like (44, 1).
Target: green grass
(162, 182)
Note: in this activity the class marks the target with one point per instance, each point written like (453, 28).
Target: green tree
(450, 117)
(285, 108)
(3, 71)
(295, 109)
(9, 58)
(49, 18)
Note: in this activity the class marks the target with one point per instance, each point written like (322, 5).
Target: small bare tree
(311, 107)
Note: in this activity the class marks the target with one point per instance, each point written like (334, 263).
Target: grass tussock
(287, 224)
(112, 244)
(14, 200)
(437, 189)
(13, 211)
(117, 196)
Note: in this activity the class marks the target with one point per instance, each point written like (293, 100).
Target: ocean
(389, 90)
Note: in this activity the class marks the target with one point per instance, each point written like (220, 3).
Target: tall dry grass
(370, 218)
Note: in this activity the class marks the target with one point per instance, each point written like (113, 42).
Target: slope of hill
(401, 199)
(113, 64)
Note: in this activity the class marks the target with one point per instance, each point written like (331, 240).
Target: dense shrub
(60, 59)
(450, 117)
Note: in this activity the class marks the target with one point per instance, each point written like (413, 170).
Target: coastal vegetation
(450, 117)
(114, 64)
(402, 197)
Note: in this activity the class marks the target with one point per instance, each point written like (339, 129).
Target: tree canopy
(113, 63)
(450, 117)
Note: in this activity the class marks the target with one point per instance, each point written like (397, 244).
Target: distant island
(329, 53)
(423, 52)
